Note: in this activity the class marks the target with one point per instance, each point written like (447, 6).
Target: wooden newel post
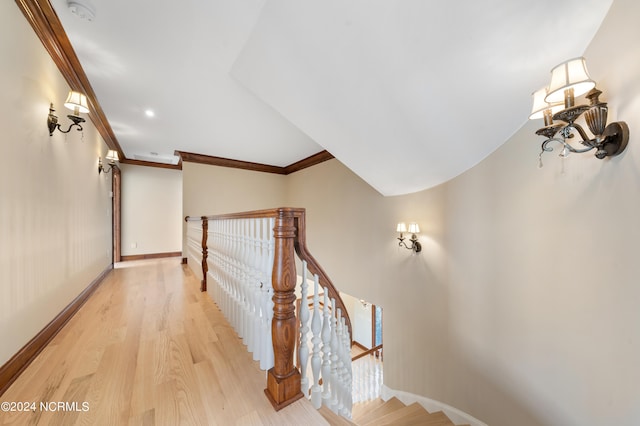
(205, 253)
(283, 380)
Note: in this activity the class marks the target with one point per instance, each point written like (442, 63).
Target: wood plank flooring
(148, 349)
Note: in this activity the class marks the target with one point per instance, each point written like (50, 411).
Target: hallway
(148, 349)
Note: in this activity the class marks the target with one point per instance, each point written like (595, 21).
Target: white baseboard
(456, 416)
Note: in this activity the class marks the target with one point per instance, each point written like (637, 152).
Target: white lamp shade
(77, 100)
(570, 74)
(540, 106)
(112, 156)
(414, 228)
(402, 227)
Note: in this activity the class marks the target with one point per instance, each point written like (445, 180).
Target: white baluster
(228, 273)
(377, 377)
(224, 267)
(326, 350)
(237, 279)
(370, 378)
(334, 358)
(262, 290)
(246, 285)
(303, 348)
(249, 283)
(316, 327)
(267, 301)
(340, 367)
(346, 360)
(255, 288)
(237, 313)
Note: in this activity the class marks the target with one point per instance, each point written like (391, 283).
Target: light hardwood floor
(149, 349)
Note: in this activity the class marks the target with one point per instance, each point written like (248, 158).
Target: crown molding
(152, 164)
(256, 167)
(312, 160)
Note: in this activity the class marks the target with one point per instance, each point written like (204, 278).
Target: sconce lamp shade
(571, 74)
(77, 102)
(112, 156)
(540, 106)
(414, 228)
(402, 227)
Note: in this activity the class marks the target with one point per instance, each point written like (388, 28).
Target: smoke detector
(83, 9)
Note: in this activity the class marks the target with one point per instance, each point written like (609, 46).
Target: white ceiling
(407, 93)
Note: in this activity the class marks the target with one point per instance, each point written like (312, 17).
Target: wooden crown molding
(47, 26)
(257, 167)
(152, 164)
(312, 160)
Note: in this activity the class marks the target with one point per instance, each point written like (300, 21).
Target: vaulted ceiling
(407, 94)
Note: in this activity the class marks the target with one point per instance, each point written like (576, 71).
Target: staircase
(392, 412)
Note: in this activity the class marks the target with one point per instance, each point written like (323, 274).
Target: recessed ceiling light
(149, 113)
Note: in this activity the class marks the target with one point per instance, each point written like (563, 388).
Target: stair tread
(361, 408)
(439, 418)
(382, 410)
(333, 418)
(411, 415)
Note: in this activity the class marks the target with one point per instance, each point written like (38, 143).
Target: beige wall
(151, 210)
(543, 270)
(209, 190)
(524, 306)
(55, 211)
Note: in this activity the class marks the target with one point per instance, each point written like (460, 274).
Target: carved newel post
(283, 380)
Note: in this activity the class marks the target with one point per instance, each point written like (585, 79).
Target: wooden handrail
(315, 268)
(367, 352)
(283, 380)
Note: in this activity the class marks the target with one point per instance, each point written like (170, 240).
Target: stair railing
(324, 348)
(248, 262)
(367, 373)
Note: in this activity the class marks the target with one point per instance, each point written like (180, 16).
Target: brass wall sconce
(77, 102)
(569, 80)
(413, 229)
(111, 157)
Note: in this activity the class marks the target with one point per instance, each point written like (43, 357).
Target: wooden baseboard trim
(151, 256)
(12, 369)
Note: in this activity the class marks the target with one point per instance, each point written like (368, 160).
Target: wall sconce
(111, 157)
(568, 80)
(77, 102)
(413, 229)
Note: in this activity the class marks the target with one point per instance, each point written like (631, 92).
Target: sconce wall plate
(568, 80)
